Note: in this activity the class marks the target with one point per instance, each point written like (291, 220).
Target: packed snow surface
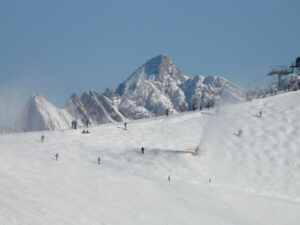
(255, 177)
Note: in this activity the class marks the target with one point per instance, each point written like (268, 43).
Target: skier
(99, 160)
(167, 112)
(240, 133)
(75, 124)
(125, 126)
(209, 180)
(143, 150)
(87, 123)
(194, 107)
(42, 138)
(169, 178)
(72, 124)
(56, 156)
(260, 114)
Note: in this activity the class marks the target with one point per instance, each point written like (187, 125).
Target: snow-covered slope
(39, 114)
(255, 178)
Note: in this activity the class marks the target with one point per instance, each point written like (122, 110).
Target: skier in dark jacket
(87, 123)
(99, 160)
(194, 107)
(143, 150)
(167, 112)
(56, 156)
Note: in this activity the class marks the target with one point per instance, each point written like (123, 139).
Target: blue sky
(58, 47)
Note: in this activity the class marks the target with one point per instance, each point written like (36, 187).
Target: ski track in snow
(255, 177)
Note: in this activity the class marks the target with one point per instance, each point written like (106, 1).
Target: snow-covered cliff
(39, 114)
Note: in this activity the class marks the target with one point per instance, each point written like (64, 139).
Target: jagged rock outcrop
(113, 96)
(76, 108)
(100, 108)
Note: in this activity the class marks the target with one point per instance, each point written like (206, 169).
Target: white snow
(255, 177)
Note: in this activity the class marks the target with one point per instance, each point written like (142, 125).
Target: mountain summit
(159, 68)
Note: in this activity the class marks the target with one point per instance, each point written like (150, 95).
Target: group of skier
(169, 111)
(74, 125)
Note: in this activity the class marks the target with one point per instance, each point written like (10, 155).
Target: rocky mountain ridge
(150, 90)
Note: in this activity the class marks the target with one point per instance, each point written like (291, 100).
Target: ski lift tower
(296, 66)
(280, 71)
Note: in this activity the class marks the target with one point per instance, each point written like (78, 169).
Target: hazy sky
(57, 47)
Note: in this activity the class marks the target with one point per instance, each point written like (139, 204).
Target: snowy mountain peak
(37, 97)
(35, 94)
(39, 114)
(160, 69)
